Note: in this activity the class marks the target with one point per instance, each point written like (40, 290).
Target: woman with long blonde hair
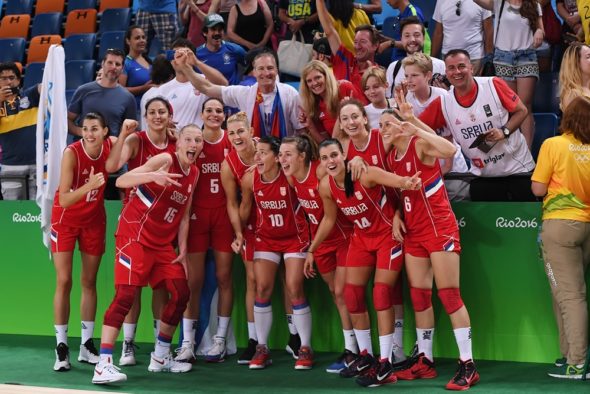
(574, 75)
(321, 94)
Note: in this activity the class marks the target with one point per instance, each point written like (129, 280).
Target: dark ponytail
(304, 144)
(274, 142)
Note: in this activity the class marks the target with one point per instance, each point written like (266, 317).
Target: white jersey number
(91, 195)
(312, 218)
(170, 214)
(214, 186)
(276, 220)
(407, 204)
(363, 223)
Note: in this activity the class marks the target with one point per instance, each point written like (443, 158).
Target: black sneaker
(465, 377)
(381, 373)
(342, 361)
(293, 346)
(248, 353)
(361, 365)
(62, 358)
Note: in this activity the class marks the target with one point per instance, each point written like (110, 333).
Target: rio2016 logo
(461, 222)
(516, 222)
(25, 218)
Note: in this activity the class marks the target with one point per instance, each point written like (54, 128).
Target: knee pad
(451, 299)
(382, 296)
(397, 297)
(124, 296)
(421, 298)
(179, 295)
(354, 298)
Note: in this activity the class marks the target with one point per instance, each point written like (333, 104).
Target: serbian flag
(52, 132)
(276, 124)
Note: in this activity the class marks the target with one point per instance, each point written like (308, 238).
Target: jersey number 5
(214, 186)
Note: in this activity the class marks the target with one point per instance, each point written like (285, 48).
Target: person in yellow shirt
(562, 176)
(584, 10)
(346, 18)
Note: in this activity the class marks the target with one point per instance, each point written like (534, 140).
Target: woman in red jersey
(430, 235)
(154, 219)
(281, 232)
(134, 148)
(298, 158)
(372, 253)
(321, 94)
(78, 214)
(210, 227)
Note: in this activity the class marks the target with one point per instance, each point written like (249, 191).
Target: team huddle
(363, 205)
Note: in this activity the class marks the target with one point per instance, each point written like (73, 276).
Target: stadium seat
(33, 74)
(69, 95)
(295, 84)
(110, 39)
(13, 49)
(17, 7)
(106, 4)
(13, 26)
(80, 21)
(79, 72)
(546, 98)
(80, 46)
(80, 5)
(39, 47)
(115, 19)
(46, 24)
(45, 6)
(546, 125)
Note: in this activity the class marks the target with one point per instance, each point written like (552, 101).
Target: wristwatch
(506, 131)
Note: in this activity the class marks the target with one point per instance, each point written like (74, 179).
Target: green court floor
(28, 360)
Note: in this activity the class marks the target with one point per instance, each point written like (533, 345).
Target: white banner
(52, 132)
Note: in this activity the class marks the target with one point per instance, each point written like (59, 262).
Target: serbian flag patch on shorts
(125, 261)
(53, 236)
(449, 246)
(396, 252)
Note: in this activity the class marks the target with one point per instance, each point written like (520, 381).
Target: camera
(440, 79)
(15, 90)
(170, 54)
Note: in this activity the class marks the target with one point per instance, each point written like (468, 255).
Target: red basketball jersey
(239, 168)
(90, 209)
(373, 153)
(209, 193)
(146, 149)
(367, 208)
(279, 215)
(152, 216)
(311, 202)
(428, 211)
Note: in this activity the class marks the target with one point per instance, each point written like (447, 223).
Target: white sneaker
(216, 354)
(88, 353)
(185, 353)
(167, 364)
(128, 353)
(105, 372)
(62, 358)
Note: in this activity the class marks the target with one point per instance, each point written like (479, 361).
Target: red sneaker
(261, 358)
(465, 377)
(419, 368)
(305, 360)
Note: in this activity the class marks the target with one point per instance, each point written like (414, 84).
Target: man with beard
(221, 55)
(105, 97)
(412, 40)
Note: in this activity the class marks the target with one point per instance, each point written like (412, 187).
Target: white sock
(129, 331)
(463, 338)
(425, 336)
(302, 321)
(189, 330)
(292, 327)
(87, 330)
(263, 321)
(363, 338)
(252, 331)
(61, 333)
(385, 346)
(350, 341)
(156, 328)
(162, 348)
(398, 334)
(222, 326)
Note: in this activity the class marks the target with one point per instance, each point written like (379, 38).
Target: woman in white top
(518, 31)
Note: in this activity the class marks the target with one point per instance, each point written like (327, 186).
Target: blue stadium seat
(110, 39)
(546, 125)
(546, 97)
(46, 24)
(80, 46)
(386, 12)
(80, 5)
(295, 84)
(19, 7)
(33, 74)
(69, 95)
(13, 49)
(115, 19)
(79, 72)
